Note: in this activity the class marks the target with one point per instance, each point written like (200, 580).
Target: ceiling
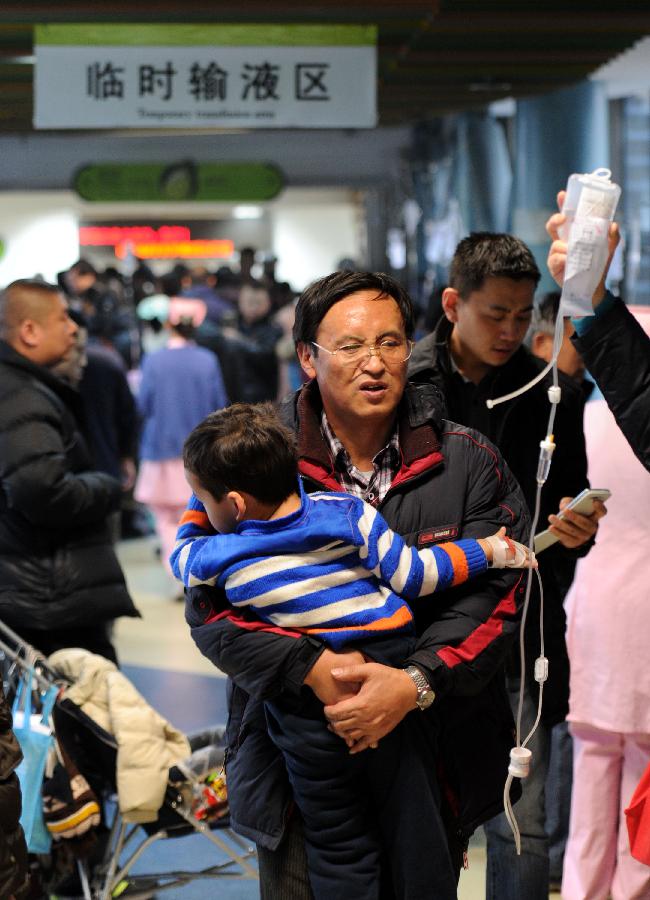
(434, 57)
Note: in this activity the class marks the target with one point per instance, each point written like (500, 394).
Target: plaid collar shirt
(369, 486)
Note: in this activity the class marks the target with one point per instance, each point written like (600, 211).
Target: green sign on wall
(225, 182)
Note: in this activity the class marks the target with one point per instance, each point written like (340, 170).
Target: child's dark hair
(246, 448)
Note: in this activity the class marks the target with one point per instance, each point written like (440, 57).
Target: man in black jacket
(109, 410)
(476, 354)
(361, 428)
(61, 584)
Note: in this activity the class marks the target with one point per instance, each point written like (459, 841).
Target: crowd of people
(378, 610)
(155, 354)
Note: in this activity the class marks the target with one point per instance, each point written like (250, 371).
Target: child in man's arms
(328, 566)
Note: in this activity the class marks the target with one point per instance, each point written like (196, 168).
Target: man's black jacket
(58, 568)
(517, 427)
(452, 483)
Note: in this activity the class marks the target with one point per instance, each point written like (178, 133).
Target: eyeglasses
(391, 350)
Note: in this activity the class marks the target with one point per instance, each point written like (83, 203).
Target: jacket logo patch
(436, 535)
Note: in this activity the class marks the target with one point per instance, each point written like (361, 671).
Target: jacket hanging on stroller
(148, 745)
(192, 790)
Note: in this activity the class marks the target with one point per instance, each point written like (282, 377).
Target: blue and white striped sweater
(332, 569)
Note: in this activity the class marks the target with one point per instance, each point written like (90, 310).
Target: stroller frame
(104, 881)
(110, 877)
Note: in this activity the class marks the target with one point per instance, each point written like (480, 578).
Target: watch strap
(426, 694)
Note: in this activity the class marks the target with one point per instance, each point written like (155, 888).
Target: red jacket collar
(419, 444)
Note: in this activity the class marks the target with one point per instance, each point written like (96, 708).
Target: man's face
(367, 392)
(55, 332)
(72, 366)
(489, 324)
(254, 303)
(78, 283)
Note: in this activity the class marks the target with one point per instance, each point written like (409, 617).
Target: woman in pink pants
(181, 383)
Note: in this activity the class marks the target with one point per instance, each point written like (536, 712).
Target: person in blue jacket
(180, 384)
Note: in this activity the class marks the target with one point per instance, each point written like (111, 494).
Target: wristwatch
(426, 695)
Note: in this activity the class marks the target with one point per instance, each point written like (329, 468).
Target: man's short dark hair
(24, 298)
(245, 448)
(485, 255)
(317, 299)
(32, 286)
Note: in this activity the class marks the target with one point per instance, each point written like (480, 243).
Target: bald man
(61, 584)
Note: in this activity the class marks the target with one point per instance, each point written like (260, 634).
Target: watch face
(425, 699)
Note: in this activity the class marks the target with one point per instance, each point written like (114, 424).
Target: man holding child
(361, 428)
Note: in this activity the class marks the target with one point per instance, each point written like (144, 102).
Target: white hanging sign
(166, 76)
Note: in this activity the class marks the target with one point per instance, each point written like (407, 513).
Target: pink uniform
(608, 638)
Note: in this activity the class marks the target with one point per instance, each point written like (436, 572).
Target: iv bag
(589, 207)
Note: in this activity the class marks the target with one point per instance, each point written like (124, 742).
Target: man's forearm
(461, 653)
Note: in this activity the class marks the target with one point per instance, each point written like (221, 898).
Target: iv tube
(542, 474)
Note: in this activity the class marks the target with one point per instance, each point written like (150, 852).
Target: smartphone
(583, 503)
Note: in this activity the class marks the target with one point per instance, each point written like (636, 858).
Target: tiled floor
(158, 654)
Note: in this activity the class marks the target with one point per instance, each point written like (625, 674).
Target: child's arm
(328, 689)
(194, 529)
(412, 573)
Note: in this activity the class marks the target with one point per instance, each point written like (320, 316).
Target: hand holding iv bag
(589, 207)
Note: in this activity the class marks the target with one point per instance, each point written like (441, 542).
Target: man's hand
(557, 253)
(573, 529)
(385, 695)
(319, 678)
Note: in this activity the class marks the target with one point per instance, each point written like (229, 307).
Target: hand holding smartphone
(583, 503)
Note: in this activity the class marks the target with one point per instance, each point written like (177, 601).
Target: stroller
(193, 803)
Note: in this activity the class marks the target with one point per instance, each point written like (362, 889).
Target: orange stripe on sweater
(400, 617)
(458, 561)
(195, 516)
